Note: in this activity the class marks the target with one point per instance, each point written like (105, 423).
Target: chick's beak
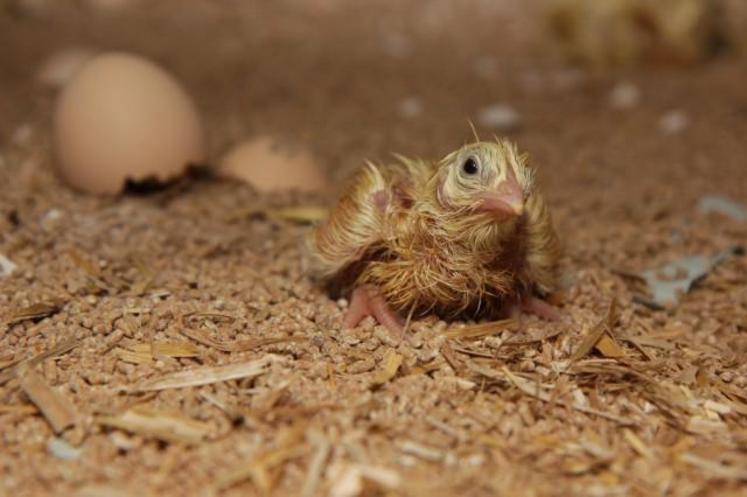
(506, 200)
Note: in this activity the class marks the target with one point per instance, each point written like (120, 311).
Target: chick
(622, 32)
(466, 236)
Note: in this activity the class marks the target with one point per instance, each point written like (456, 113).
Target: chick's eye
(470, 167)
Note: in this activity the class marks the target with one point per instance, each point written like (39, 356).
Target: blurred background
(633, 112)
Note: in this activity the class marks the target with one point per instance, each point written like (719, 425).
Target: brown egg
(123, 118)
(268, 165)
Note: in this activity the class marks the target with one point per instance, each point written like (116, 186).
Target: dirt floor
(618, 399)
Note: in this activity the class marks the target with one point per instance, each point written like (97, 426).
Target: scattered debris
(667, 283)
(722, 205)
(674, 122)
(501, 117)
(210, 374)
(60, 349)
(625, 95)
(57, 410)
(262, 469)
(161, 425)
(6, 266)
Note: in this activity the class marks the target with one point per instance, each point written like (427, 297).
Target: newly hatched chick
(468, 236)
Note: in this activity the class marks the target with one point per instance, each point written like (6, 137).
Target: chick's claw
(366, 301)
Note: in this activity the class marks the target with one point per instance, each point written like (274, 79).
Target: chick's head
(485, 177)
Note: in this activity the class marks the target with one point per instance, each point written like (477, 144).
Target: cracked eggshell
(269, 165)
(122, 118)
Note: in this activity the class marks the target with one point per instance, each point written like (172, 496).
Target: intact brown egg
(269, 165)
(122, 118)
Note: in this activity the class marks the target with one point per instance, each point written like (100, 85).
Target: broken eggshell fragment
(123, 118)
(667, 283)
(269, 165)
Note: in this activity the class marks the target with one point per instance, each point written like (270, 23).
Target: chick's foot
(366, 301)
(533, 305)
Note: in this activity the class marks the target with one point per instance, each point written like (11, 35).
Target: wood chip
(595, 333)
(608, 347)
(57, 410)
(211, 374)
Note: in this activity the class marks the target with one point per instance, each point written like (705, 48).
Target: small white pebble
(567, 79)
(410, 107)
(501, 117)
(674, 122)
(62, 450)
(532, 81)
(342, 303)
(396, 45)
(727, 376)
(486, 67)
(22, 134)
(6, 266)
(625, 95)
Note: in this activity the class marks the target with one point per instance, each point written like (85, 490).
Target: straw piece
(144, 353)
(210, 374)
(388, 369)
(316, 467)
(60, 349)
(36, 311)
(158, 424)
(238, 346)
(482, 329)
(716, 469)
(55, 408)
(637, 444)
